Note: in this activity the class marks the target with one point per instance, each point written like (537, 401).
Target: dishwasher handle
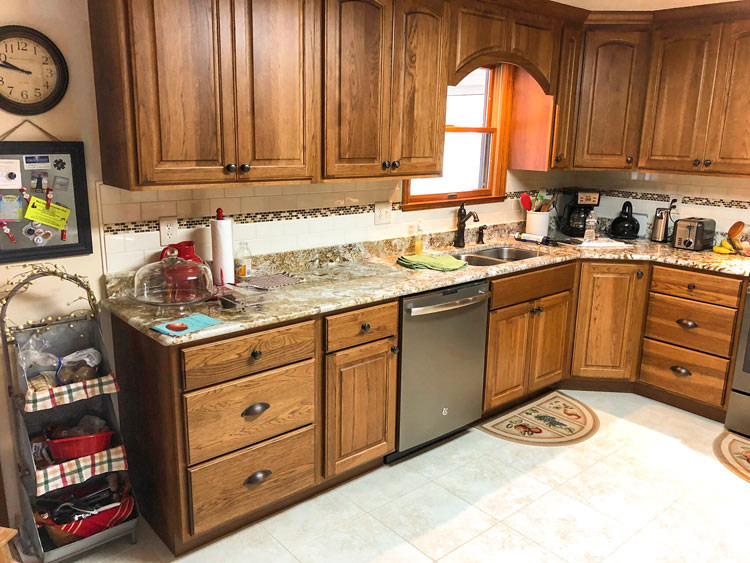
(449, 306)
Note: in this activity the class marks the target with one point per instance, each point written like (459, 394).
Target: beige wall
(74, 119)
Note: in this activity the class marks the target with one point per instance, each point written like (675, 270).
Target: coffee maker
(573, 206)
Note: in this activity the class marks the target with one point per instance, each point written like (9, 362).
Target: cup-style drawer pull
(255, 409)
(679, 370)
(258, 477)
(256, 354)
(687, 323)
(366, 327)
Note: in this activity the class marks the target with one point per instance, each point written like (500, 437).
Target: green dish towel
(442, 263)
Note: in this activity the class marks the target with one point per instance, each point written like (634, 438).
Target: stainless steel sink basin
(475, 260)
(507, 253)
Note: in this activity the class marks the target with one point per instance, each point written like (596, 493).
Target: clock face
(33, 73)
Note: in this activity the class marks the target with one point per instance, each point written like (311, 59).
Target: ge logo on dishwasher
(445, 412)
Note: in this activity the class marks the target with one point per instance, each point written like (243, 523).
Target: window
(474, 154)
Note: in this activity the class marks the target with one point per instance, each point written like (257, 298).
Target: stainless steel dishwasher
(443, 335)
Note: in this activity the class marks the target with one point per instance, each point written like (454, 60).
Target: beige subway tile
(194, 208)
(239, 191)
(320, 188)
(110, 194)
(269, 190)
(282, 202)
(309, 201)
(208, 193)
(138, 197)
(175, 195)
(121, 213)
(332, 200)
(156, 209)
(254, 204)
(230, 205)
(295, 189)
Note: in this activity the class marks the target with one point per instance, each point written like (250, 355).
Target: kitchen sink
(494, 256)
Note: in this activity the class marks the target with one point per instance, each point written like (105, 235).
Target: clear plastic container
(589, 235)
(174, 281)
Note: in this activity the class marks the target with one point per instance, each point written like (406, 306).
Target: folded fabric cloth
(444, 263)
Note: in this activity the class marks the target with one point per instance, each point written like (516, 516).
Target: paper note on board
(10, 174)
(11, 207)
(56, 216)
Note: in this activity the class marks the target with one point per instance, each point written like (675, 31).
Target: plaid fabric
(80, 469)
(42, 400)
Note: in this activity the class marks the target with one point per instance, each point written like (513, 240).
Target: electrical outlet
(382, 212)
(167, 230)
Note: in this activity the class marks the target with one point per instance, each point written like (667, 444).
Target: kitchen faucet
(463, 217)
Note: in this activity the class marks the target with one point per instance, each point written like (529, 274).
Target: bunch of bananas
(725, 248)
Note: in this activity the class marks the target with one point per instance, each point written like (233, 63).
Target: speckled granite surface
(366, 273)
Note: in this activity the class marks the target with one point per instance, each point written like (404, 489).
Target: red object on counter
(185, 250)
(526, 201)
(79, 446)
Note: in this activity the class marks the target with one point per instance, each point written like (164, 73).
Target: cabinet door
(536, 39)
(611, 104)
(360, 405)
(548, 350)
(507, 354)
(679, 99)
(183, 83)
(277, 89)
(357, 87)
(728, 148)
(482, 34)
(611, 309)
(420, 86)
(565, 107)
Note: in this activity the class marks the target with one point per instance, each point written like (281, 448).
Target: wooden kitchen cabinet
(565, 104)
(385, 87)
(681, 84)
(224, 91)
(360, 404)
(613, 84)
(609, 323)
(527, 348)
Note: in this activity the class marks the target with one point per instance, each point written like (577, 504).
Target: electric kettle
(625, 226)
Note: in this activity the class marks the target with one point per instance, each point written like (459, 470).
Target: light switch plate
(382, 212)
(167, 230)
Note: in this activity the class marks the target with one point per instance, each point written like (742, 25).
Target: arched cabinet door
(420, 86)
(728, 148)
(613, 85)
(681, 83)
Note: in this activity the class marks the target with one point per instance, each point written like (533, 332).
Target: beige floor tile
(306, 521)
(493, 487)
(500, 543)
(568, 528)
(381, 486)
(250, 544)
(450, 456)
(630, 500)
(362, 539)
(433, 519)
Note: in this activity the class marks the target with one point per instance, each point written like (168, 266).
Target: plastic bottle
(418, 239)
(589, 235)
(243, 260)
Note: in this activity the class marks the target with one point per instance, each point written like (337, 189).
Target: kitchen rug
(552, 420)
(734, 452)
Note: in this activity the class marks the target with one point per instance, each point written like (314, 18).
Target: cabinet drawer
(360, 326)
(707, 374)
(232, 415)
(708, 288)
(234, 357)
(699, 326)
(245, 481)
(532, 285)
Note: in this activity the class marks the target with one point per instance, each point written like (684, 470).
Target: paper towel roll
(222, 266)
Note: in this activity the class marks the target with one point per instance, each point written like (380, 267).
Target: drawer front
(233, 415)
(245, 481)
(361, 326)
(699, 326)
(684, 372)
(234, 357)
(532, 285)
(708, 288)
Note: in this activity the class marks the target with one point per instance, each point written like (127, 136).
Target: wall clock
(33, 73)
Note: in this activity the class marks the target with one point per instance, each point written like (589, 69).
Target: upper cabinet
(213, 91)
(612, 90)
(385, 87)
(681, 82)
(565, 104)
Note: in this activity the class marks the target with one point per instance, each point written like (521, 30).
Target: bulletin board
(44, 208)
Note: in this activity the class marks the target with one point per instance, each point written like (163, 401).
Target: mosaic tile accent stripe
(242, 218)
(731, 203)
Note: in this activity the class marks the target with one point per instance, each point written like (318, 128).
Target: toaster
(694, 233)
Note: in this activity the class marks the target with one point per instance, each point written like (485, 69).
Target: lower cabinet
(527, 348)
(609, 324)
(360, 404)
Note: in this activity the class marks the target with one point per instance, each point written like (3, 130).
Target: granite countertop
(376, 278)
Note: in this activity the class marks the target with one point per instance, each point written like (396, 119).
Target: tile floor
(645, 488)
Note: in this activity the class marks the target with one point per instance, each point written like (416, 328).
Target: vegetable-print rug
(552, 420)
(734, 452)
